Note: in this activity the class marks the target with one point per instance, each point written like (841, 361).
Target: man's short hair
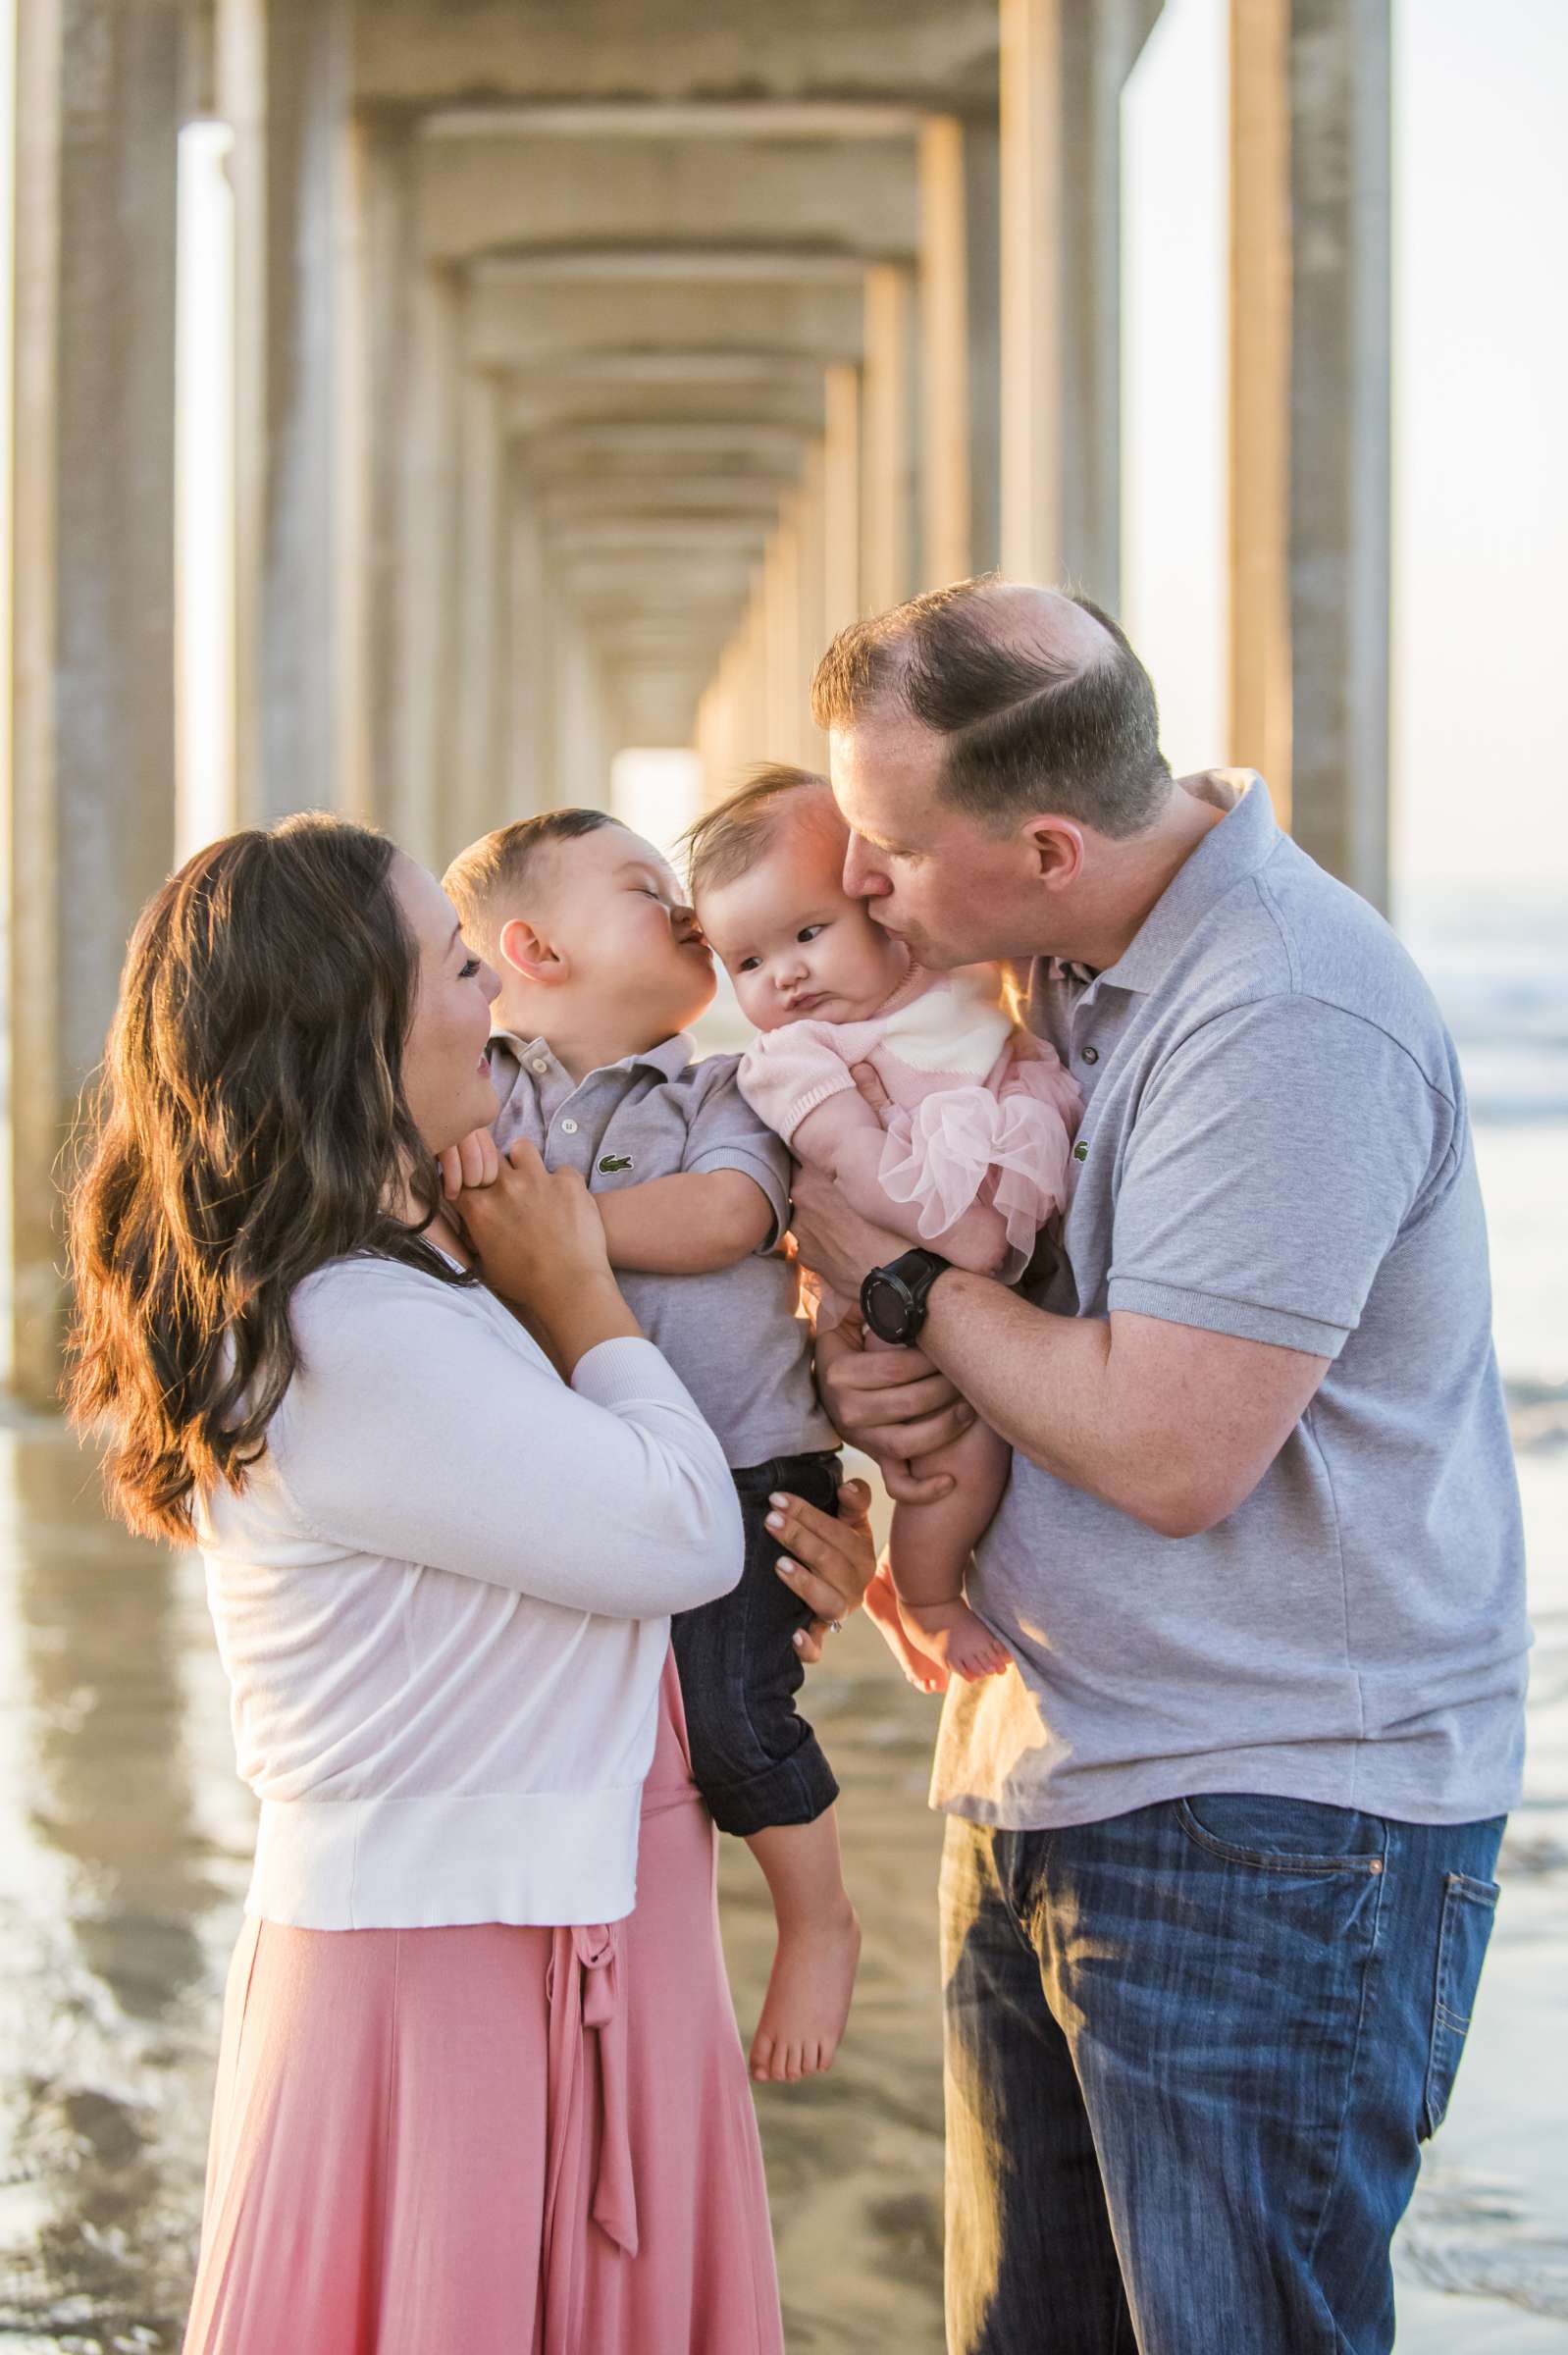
(1026, 729)
(728, 841)
(499, 865)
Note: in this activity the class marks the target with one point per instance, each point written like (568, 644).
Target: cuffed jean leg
(1030, 2267)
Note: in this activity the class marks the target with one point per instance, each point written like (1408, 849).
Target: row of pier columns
(589, 369)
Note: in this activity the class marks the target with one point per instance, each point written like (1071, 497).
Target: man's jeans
(1191, 2054)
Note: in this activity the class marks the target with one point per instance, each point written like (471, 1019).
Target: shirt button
(540, 1064)
(1092, 1054)
(1081, 1152)
(569, 1128)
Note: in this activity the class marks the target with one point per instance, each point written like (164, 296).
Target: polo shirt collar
(1244, 840)
(671, 1057)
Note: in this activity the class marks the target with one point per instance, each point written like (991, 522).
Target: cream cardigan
(443, 1602)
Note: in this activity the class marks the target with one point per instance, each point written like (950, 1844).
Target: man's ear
(1055, 848)
(521, 946)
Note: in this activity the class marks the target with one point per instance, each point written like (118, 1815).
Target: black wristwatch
(893, 1299)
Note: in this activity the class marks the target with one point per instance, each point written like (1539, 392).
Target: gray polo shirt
(1276, 1145)
(732, 1334)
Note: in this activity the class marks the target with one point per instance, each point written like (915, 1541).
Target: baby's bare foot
(952, 1633)
(807, 1998)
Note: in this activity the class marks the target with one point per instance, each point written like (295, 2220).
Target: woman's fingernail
(779, 1500)
(787, 1568)
(798, 1639)
(775, 1520)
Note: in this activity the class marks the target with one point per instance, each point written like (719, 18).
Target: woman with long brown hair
(467, 2097)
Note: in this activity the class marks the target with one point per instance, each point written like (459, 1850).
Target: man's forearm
(1043, 1381)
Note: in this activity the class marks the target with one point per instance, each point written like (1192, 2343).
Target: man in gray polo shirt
(1218, 1876)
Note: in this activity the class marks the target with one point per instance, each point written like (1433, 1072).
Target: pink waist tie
(585, 1994)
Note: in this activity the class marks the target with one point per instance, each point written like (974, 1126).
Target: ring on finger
(835, 1627)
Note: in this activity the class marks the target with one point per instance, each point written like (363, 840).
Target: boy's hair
(501, 864)
(727, 842)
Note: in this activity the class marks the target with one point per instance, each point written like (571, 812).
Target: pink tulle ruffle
(942, 1154)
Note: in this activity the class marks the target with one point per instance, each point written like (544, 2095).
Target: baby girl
(969, 1155)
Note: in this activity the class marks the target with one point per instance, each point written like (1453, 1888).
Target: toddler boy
(602, 967)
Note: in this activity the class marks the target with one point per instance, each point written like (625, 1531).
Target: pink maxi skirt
(494, 2140)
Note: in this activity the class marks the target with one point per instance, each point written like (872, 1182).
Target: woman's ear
(529, 954)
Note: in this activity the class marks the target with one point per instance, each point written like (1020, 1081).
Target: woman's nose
(489, 982)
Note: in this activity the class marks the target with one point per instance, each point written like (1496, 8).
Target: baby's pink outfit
(981, 1110)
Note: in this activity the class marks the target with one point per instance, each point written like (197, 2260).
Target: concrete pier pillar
(813, 633)
(476, 797)
(1031, 337)
(887, 439)
(1100, 41)
(841, 498)
(581, 729)
(383, 277)
(527, 751)
(944, 355)
(1260, 394)
(91, 658)
(309, 756)
(781, 576)
(982, 223)
(425, 616)
(1310, 519)
(1341, 169)
(240, 50)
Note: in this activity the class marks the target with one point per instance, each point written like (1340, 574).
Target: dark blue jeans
(1192, 2056)
(755, 1758)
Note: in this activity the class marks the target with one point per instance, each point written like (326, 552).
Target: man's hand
(833, 1240)
(894, 1404)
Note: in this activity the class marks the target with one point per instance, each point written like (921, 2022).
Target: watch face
(886, 1307)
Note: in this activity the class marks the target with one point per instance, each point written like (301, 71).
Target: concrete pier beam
(91, 805)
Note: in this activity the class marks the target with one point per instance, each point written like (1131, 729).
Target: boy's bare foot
(808, 1997)
(952, 1633)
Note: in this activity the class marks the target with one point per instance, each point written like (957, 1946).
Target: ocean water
(124, 1844)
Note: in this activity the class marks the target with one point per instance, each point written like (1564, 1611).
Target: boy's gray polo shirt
(732, 1334)
(1275, 1145)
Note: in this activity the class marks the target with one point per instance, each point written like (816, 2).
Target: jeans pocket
(1468, 1909)
(1281, 1835)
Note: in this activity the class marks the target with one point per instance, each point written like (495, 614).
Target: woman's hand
(539, 1243)
(828, 1562)
(475, 1162)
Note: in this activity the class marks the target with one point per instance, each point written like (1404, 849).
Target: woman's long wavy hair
(250, 1125)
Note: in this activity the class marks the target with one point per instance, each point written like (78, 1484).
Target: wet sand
(123, 1853)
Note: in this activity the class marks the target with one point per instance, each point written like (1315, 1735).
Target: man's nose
(861, 881)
